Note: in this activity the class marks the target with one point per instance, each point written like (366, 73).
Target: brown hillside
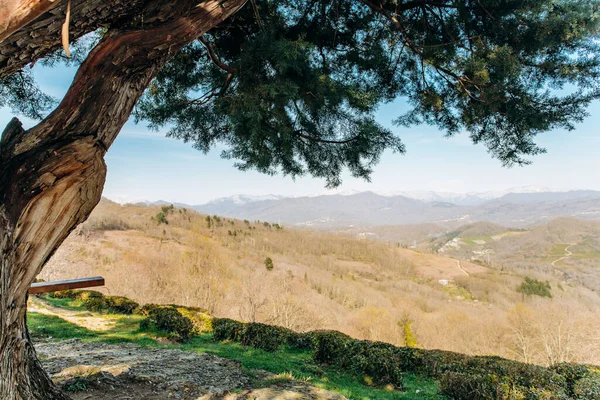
(362, 287)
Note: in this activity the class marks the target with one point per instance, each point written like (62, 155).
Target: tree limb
(318, 140)
(14, 14)
(214, 58)
(42, 36)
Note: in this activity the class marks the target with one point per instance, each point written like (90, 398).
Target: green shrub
(572, 373)
(462, 377)
(588, 387)
(492, 386)
(227, 329)
(84, 295)
(380, 361)
(530, 287)
(269, 264)
(330, 347)
(167, 209)
(465, 376)
(201, 319)
(254, 334)
(303, 341)
(458, 385)
(146, 308)
(433, 362)
(171, 321)
(264, 337)
(161, 218)
(96, 304)
(505, 378)
(120, 305)
(90, 299)
(63, 294)
(75, 294)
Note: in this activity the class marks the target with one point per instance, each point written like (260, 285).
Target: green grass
(586, 256)
(470, 240)
(126, 329)
(66, 303)
(457, 291)
(288, 363)
(558, 250)
(579, 252)
(302, 367)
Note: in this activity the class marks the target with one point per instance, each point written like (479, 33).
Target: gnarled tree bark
(16, 13)
(53, 174)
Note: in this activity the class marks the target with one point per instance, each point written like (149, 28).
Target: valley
(405, 285)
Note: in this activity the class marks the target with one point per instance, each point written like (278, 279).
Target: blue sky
(143, 164)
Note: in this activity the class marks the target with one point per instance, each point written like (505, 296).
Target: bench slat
(55, 286)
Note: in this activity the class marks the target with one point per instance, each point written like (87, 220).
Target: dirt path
(567, 255)
(460, 267)
(86, 320)
(126, 371)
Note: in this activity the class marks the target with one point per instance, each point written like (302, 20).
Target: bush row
(179, 323)
(460, 376)
(96, 301)
(329, 347)
(260, 336)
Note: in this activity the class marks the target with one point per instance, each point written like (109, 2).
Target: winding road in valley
(567, 255)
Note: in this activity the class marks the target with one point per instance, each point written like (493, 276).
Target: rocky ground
(95, 370)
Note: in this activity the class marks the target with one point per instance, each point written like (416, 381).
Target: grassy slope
(287, 363)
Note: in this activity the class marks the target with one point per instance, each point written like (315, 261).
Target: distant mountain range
(368, 208)
(470, 198)
(517, 207)
(427, 196)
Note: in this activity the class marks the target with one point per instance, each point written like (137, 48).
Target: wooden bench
(55, 286)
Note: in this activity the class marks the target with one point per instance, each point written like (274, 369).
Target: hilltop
(362, 287)
(567, 249)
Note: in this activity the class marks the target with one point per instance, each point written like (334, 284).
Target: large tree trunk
(53, 174)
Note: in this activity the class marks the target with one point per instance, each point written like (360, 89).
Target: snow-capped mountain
(240, 199)
(515, 207)
(430, 196)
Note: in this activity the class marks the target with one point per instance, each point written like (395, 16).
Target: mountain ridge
(369, 208)
(518, 209)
